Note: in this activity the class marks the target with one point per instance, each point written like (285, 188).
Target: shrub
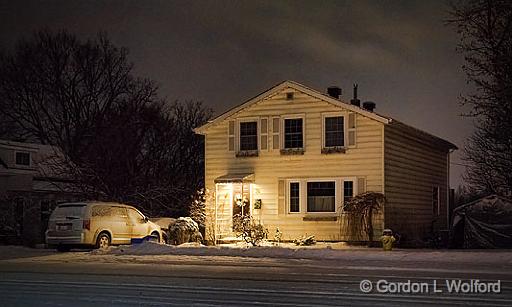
(278, 236)
(251, 232)
(305, 241)
(184, 230)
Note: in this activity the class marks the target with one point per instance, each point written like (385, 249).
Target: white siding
(413, 166)
(363, 161)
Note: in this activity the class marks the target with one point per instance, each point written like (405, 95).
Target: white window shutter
(276, 122)
(352, 129)
(361, 185)
(264, 133)
(231, 135)
(281, 203)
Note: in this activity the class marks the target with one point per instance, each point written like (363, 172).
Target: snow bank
(324, 252)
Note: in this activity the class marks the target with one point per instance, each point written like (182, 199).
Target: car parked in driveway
(98, 224)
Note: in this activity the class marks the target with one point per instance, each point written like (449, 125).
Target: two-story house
(29, 190)
(292, 155)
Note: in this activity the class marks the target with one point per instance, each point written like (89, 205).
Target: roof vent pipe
(354, 101)
(334, 92)
(369, 105)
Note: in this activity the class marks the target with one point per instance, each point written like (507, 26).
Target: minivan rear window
(69, 211)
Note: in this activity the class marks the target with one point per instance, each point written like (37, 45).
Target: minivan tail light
(86, 224)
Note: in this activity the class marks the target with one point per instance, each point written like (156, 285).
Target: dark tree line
(118, 140)
(485, 29)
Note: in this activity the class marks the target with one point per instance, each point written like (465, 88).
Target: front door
(241, 200)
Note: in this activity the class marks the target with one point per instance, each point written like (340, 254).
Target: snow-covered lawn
(319, 251)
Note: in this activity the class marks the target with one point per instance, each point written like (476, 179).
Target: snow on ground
(284, 250)
(320, 251)
(241, 253)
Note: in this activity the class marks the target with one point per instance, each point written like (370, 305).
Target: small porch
(233, 195)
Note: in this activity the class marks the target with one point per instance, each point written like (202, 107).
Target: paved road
(227, 281)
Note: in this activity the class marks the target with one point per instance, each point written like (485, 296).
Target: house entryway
(233, 197)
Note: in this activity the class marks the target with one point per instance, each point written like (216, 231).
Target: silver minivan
(98, 224)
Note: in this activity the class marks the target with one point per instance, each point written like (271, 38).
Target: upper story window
(293, 133)
(334, 131)
(249, 135)
(22, 158)
(338, 132)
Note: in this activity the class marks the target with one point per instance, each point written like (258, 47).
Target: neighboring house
(483, 223)
(293, 155)
(28, 190)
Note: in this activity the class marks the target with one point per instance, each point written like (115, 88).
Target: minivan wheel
(103, 241)
(155, 234)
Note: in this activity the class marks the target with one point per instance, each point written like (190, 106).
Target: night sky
(400, 53)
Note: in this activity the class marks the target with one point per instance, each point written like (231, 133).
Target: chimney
(334, 92)
(355, 101)
(369, 105)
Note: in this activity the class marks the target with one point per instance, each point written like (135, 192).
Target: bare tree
(118, 140)
(485, 28)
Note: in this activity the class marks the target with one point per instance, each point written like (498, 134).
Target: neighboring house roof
(53, 185)
(324, 97)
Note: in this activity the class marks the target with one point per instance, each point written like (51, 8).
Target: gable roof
(321, 96)
(296, 86)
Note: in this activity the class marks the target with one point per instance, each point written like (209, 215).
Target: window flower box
(247, 153)
(292, 151)
(331, 150)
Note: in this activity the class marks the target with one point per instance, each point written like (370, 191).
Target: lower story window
(294, 197)
(321, 196)
(348, 190)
